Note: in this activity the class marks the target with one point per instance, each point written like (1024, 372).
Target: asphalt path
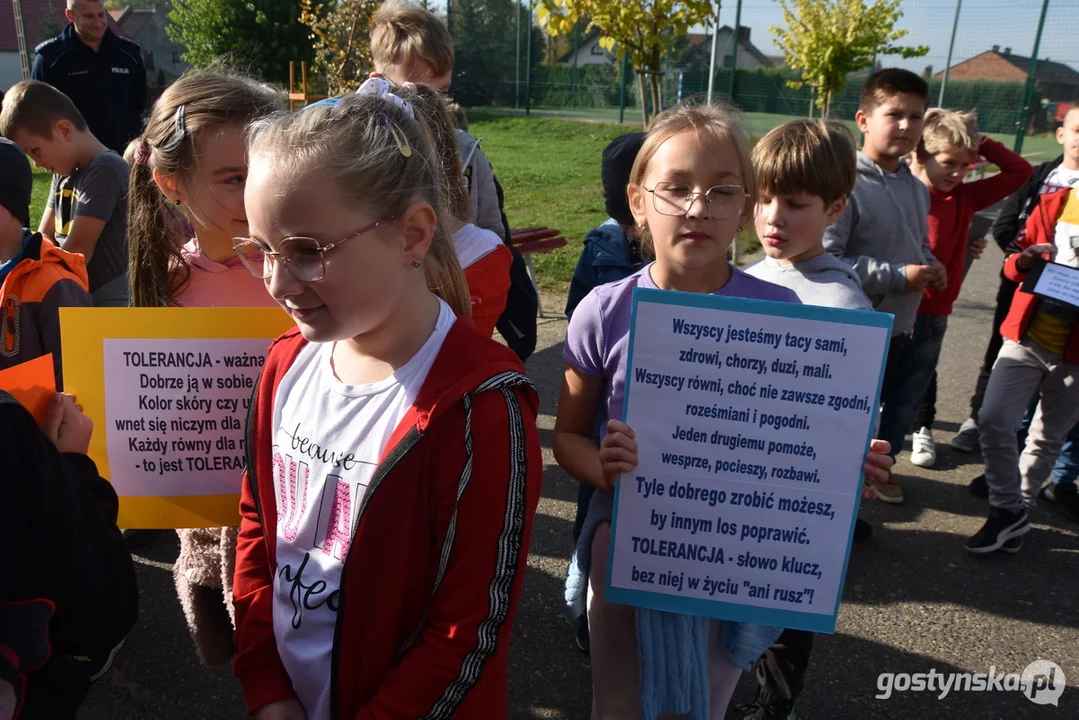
(914, 599)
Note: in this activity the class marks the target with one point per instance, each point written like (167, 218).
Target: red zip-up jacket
(437, 560)
(950, 216)
(1040, 228)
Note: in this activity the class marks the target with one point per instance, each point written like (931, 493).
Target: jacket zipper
(249, 456)
(399, 451)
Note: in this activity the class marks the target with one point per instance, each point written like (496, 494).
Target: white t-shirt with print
(1061, 177)
(328, 438)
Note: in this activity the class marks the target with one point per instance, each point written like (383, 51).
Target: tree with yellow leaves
(341, 34)
(828, 39)
(643, 29)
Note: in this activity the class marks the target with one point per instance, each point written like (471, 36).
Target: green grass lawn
(1037, 149)
(550, 171)
(40, 198)
(549, 168)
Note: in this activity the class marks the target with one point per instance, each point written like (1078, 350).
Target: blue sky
(982, 24)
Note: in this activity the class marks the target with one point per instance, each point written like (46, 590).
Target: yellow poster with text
(168, 390)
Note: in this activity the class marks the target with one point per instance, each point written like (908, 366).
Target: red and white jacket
(430, 586)
(486, 261)
(1040, 229)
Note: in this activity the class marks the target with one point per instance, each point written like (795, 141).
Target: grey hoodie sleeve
(483, 203)
(878, 278)
(64, 293)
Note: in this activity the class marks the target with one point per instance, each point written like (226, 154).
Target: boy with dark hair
(883, 234)
(411, 44)
(67, 583)
(87, 210)
(36, 277)
(610, 251)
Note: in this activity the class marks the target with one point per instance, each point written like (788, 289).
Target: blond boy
(411, 44)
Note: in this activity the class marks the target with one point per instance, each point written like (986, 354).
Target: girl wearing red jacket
(481, 253)
(393, 458)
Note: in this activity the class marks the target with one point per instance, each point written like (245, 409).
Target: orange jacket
(45, 280)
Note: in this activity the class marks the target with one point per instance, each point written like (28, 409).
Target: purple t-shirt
(597, 341)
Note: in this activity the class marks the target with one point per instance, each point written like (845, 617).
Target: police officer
(100, 71)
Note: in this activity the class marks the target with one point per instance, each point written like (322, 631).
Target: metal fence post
(712, 58)
(528, 62)
(517, 76)
(1028, 96)
(573, 70)
(951, 46)
(734, 50)
(622, 90)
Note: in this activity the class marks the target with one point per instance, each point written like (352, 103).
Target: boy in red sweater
(950, 142)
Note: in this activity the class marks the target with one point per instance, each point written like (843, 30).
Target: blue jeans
(910, 369)
(1066, 469)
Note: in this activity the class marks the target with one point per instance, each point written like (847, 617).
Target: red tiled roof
(34, 13)
(134, 21)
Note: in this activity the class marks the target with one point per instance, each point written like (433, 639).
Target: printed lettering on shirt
(339, 525)
(292, 479)
(310, 486)
(121, 71)
(304, 596)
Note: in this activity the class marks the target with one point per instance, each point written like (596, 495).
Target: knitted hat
(16, 181)
(618, 160)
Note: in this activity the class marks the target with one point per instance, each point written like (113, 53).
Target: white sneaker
(924, 452)
(967, 438)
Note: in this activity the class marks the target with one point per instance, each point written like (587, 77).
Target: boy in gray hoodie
(805, 172)
(883, 233)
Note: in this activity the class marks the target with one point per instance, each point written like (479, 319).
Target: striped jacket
(438, 556)
(45, 280)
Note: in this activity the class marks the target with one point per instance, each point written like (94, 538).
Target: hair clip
(381, 88)
(328, 102)
(398, 137)
(142, 153)
(179, 124)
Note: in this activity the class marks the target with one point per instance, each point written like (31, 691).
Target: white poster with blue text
(752, 421)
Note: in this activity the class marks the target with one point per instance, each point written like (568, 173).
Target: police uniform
(108, 86)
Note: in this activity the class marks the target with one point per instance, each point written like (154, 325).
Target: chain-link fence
(500, 65)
